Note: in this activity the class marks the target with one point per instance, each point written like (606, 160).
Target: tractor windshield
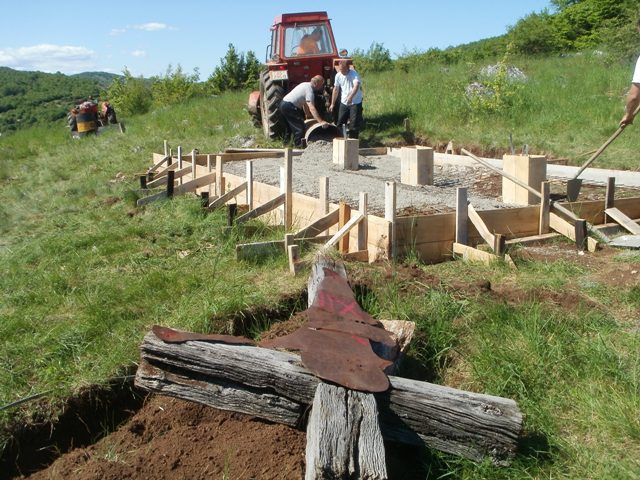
(307, 40)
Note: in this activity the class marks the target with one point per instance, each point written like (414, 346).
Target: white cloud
(153, 27)
(138, 53)
(117, 31)
(48, 58)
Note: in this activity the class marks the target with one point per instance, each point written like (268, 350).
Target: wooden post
(344, 217)
(180, 166)
(219, 176)
(324, 195)
(143, 182)
(499, 244)
(609, 201)
(232, 209)
(170, 161)
(293, 252)
(166, 148)
(581, 235)
(363, 226)
(171, 175)
(416, 165)
(545, 205)
(193, 164)
(390, 215)
(250, 184)
(288, 189)
(289, 239)
(204, 199)
(209, 169)
(462, 216)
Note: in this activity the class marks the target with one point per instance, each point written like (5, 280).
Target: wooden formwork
(430, 237)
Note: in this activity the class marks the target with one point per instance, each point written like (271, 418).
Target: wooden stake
(232, 209)
(170, 179)
(363, 226)
(180, 166)
(390, 215)
(288, 186)
(193, 164)
(581, 234)
(499, 244)
(204, 199)
(462, 216)
(545, 205)
(609, 201)
(343, 219)
(209, 170)
(324, 194)
(250, 184)
(294, 256)
(219, 176)
(166, 148)
(143, 182)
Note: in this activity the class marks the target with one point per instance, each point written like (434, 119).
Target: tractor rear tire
(271, 95)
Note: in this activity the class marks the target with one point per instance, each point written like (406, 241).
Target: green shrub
(376, 59)
(175, 86)
(235, 72)
(130, 95)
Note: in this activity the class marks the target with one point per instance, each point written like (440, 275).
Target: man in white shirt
(633, 97)
(348, 84)
(298, 104)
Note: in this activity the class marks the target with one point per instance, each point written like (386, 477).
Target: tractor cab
(302, 46)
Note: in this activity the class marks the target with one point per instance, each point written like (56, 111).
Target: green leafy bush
(376, 59)
(130, 95)
(175, 86)
(235, 72)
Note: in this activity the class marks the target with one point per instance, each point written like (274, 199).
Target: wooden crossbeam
(162, 180)
(193, 185)
(565, 229)
(623, 220)
(157, 165)
(470, 253)
(262, 209)
(355, 220)
(319, 225)
(221, 200)
(480, 226)
(256, 249)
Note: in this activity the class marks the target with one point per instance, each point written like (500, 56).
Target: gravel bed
(374, 171)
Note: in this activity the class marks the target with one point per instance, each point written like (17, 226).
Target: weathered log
(343, 436)
(469, 424)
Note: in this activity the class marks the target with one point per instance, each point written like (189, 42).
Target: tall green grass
(567, 106)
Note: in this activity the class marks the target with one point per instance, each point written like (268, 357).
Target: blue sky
(147, 36)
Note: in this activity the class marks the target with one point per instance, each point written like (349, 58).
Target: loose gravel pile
(374, 171)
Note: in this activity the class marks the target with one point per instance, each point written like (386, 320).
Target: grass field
(84, 273)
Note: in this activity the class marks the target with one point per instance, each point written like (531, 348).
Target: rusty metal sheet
(338, 357)
(170, 335)
(335, 295)
(322, 320)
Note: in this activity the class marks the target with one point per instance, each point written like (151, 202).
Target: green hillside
(29, 98)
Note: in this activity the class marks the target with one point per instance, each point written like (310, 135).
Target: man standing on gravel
(633, 97)
(348, 84)
(298, 104)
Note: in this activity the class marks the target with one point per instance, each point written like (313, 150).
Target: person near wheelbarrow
(633, 97)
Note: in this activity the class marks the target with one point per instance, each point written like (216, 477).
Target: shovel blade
(573, 189)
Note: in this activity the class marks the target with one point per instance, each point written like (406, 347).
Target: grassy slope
(83, 278)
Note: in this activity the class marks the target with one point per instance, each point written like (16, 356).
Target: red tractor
(302, 46)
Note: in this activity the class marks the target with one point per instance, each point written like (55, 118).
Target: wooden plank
(151, 198)
(160, 180)
(372, 151)
(210, 166)
(295, 151)
(359, 256)
(609, 199)
(344, 230)
(470, 424)
(362, 226)
(390, 216)
(623, 220)
(293, 252)
(473, 254)
(180, 164)
(288, 189)
(565, 229)
(220, 201)
(324, 194)
(262, 209)
(344, 439)
(219, 176)
(249, 169)
(462, 216)
(545, 190)
(319, 225)
(343, 218)
(532, 239)
(480, 226)
(193, 185)
(157, 165)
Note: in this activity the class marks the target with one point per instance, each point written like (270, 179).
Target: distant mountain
(27, 98)
(103, 79)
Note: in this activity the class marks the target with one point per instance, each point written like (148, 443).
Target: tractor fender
(254, 103)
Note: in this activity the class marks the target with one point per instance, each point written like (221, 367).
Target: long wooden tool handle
(604, 146)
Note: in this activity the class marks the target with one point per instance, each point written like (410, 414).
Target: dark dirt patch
(174, 439)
